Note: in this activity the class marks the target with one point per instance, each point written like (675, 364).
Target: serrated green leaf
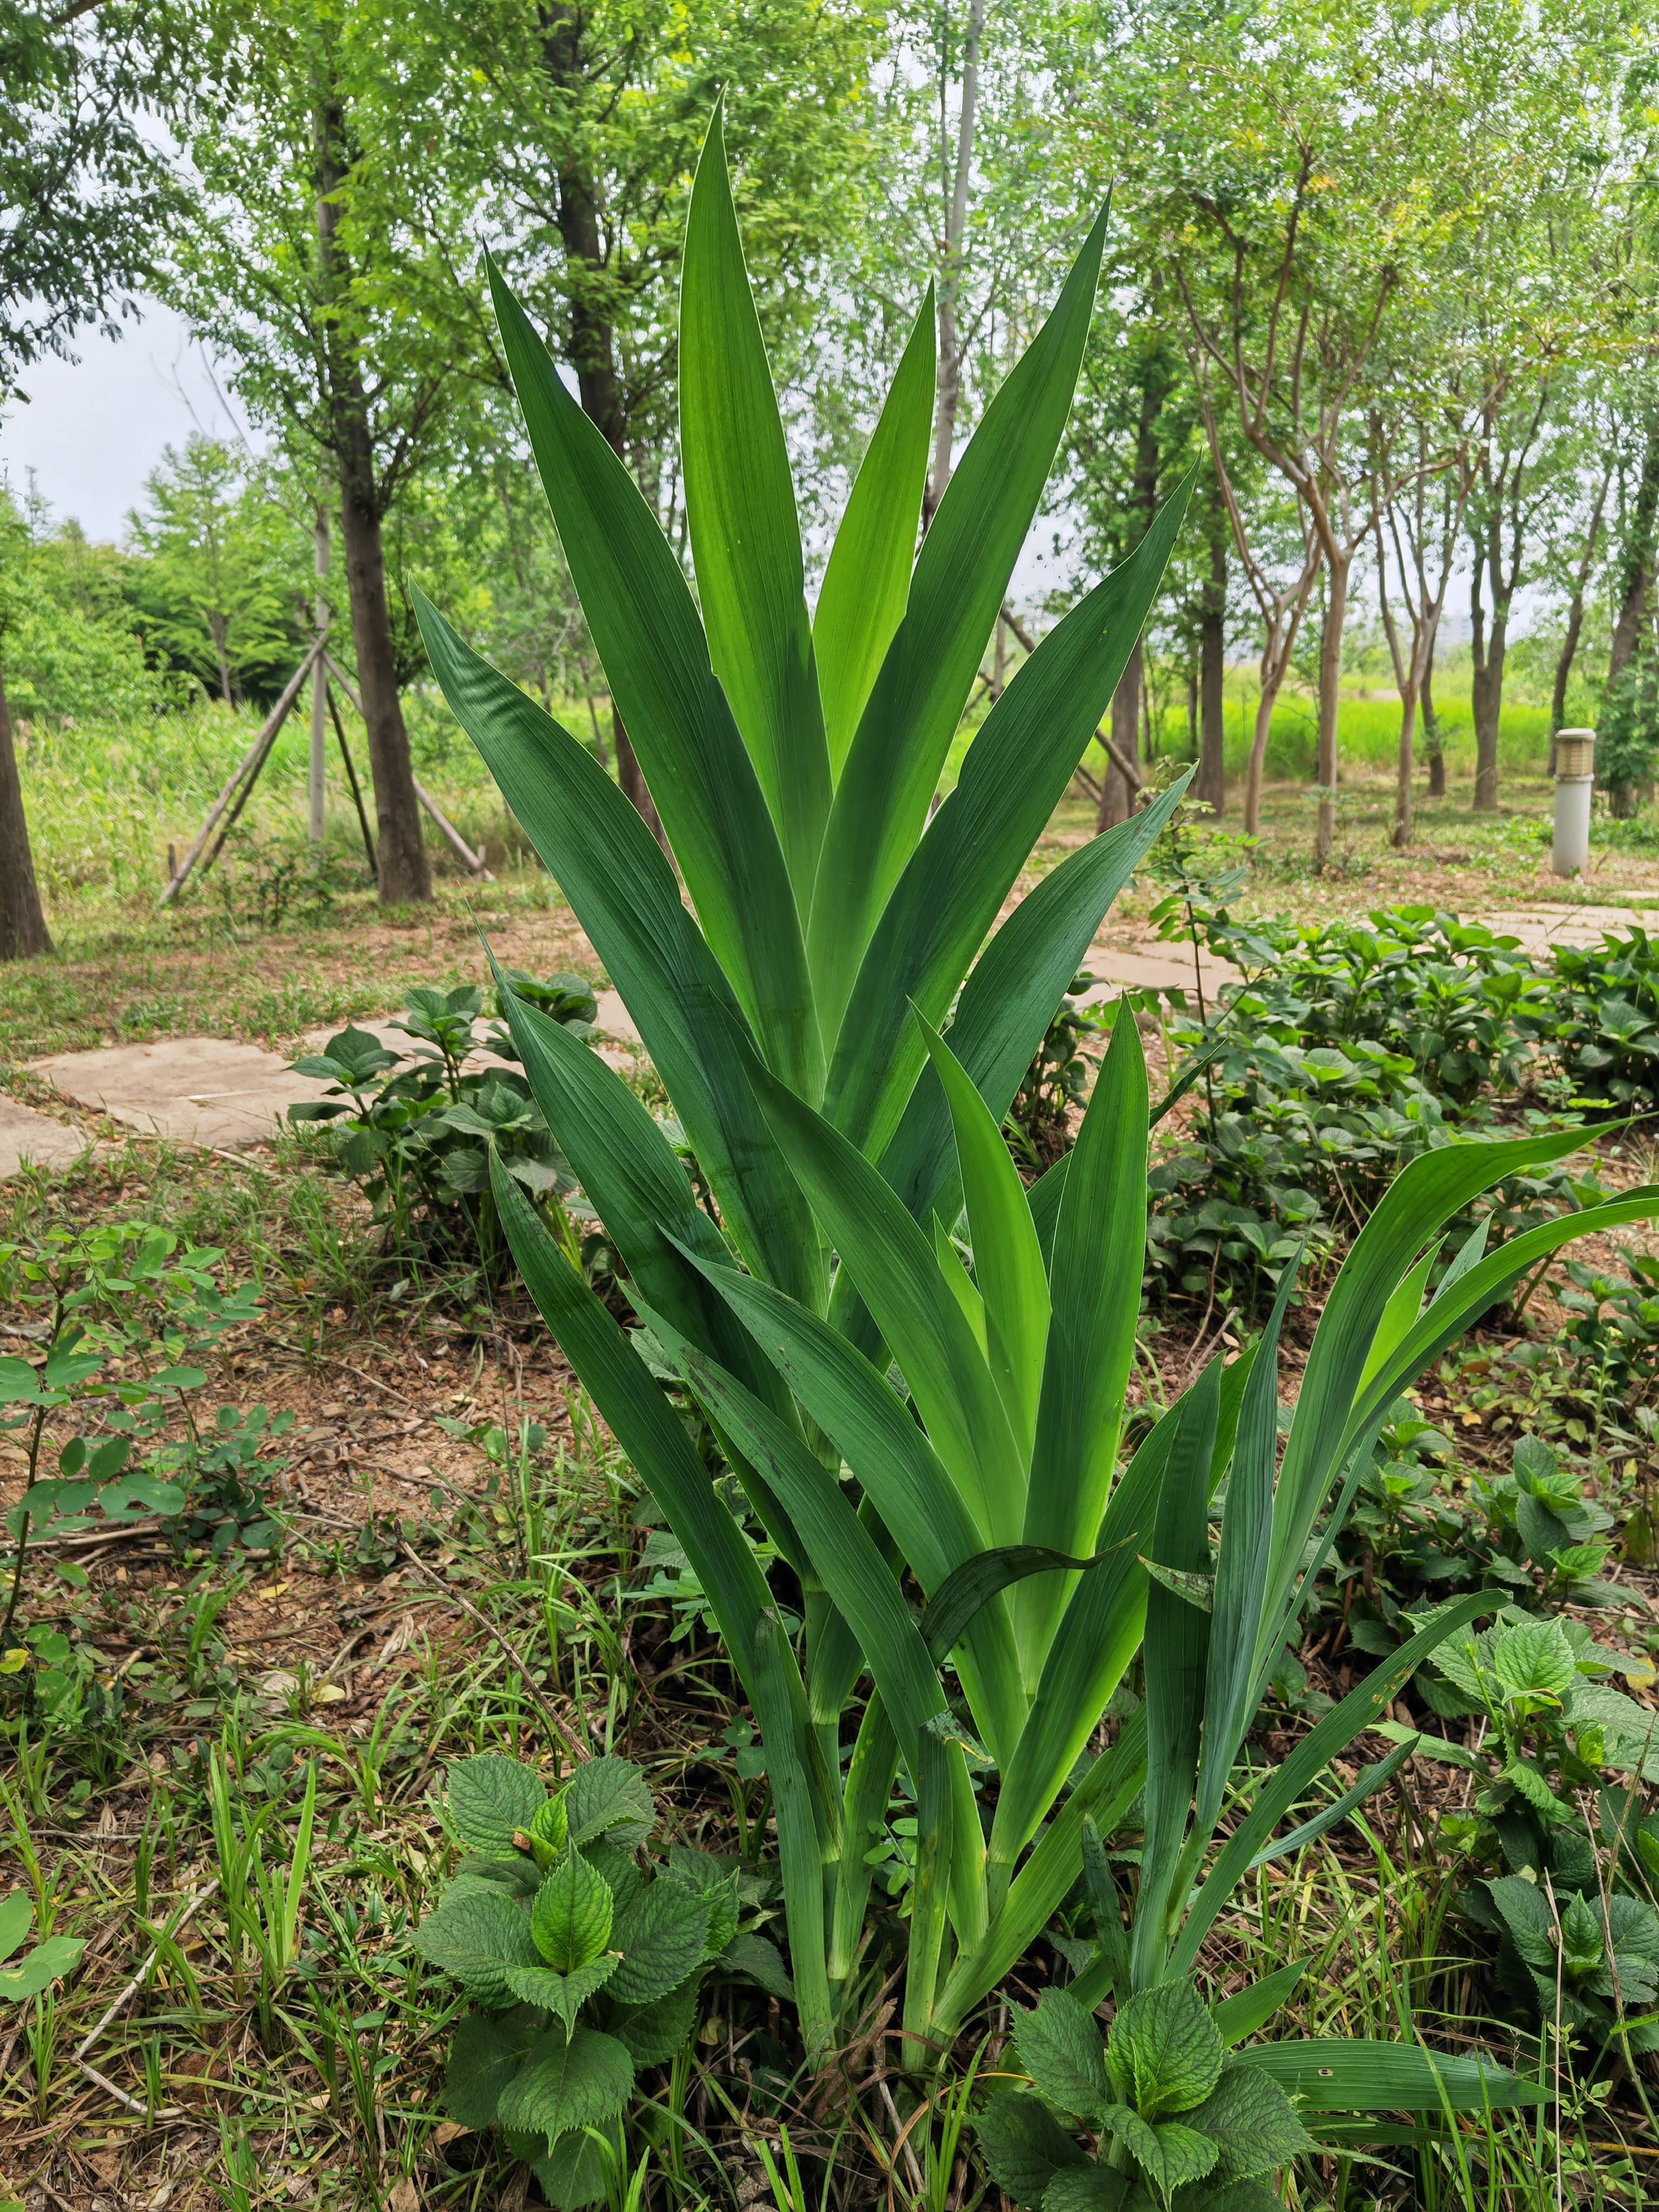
(475, 1938)
(1533, 1660)
(573, 2173)
(568, 2082)
(1093, 2189)
(491, 1799)
(712, 1880)
(759, 1961)
(1169, 2153)
(484, 2054)
(1023, 2146)
(652, 2033)
(1249, 2115)
(609, 1798)
(662, 1938)
(1166, 2051)
(564, 1994)
(1058, 2045)
(571, 1918)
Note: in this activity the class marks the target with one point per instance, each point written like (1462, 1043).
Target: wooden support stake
(251, 762)
(351, 778)
(475, 862)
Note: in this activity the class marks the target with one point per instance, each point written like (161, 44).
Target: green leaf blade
(866, 584)
(746, 537)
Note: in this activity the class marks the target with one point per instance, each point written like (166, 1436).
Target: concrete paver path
(26, 1135)
(212, 1091)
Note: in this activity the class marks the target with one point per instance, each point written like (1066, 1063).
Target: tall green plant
(796, 1021)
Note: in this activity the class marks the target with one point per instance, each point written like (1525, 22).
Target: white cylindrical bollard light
(1574, 782)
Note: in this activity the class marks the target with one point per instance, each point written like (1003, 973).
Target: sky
(94, 428)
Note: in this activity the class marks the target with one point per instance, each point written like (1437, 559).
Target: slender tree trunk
(1330, 699)
(1211, 782)
(1407, 763)
(23, 931)
(404, 875)
(1636, 565)
(1487, 690)
(593, 339)
(631, 777)
(1434, 750)
(1116, 799)
(950, 278)
(1574, 629)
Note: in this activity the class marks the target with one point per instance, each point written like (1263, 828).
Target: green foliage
(962, 1421)
(1056, 1084)
(1347, 1049)
(415, 1130)
(1601, 1022)
(218, 587)
(1162, 2090)
(50, 1959)
(135, 1301)
(554, 1914)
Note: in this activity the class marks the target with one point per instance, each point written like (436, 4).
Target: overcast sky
(92, 429)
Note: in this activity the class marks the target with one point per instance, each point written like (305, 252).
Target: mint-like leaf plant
(1178, 2115)
(840, 1024)
(583, 1962)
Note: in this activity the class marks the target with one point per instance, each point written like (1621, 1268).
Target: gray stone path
(215, 1092)
(26, 1135)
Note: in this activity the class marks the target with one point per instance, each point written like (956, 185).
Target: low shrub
(415, 1130)
(1345, 1050)
(584, 1959)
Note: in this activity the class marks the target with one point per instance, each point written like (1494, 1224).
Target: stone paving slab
(26, 1135)
(196, 1090)
(212, 1091)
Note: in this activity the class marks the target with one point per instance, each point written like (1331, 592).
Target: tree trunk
(1486, 691)
(1433, 750)
(1339, 562)
(23, 931)
(631, 777)
(1574, 629)
(1636, 569)
(950, 275)
(592, 339)
(1210, 784)
(404, 876)
(1402, 792)
(1116, 799)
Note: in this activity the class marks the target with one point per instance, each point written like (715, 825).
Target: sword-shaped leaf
(956, 592)
(745, 538)
(624, 893)
(1007, 1261)
(867, 583)
(954, 883)
(644, 625)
